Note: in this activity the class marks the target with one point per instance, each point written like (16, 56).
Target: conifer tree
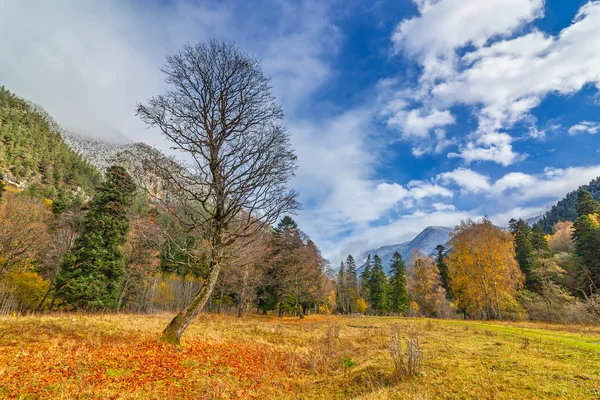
(539, 241)
(525, 251)
(587, 243)
(398, 298)
(364, 279)
(585, 203)
(342, 290)
(443, 269)
(378, 287)
(351, 283)
(91, 271)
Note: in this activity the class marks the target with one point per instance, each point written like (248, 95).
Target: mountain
(426, 241)
(533, 220)
(32, 151)
(131, 155)
(564, 209)
(100, 153)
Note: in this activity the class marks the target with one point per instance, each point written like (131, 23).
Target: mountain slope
(33, 152)
(564, 209)
(101, 154)
(426, 241)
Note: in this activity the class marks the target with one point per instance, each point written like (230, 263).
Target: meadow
(73, 356)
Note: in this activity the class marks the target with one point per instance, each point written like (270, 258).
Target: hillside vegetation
(31, 151)
(564, 209)
(320, 357)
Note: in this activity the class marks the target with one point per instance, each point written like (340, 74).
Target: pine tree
(286, 222)
(351, 283)
(585, 203)
(398, 296)
(443, 269)
(378, 287)
(587, 243)
(365, 275)
(91, 272)
(342, 290)
(539, 241)
(525, 251)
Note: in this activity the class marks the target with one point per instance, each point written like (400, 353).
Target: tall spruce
(398, 293)
(587, 244)
(440, 260)
(525, 251)
(585, 203)
(365, 275)
(90, 274)
(378, 287)
(342, 290)
(351, 283)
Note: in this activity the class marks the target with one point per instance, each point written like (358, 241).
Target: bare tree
(219, 111)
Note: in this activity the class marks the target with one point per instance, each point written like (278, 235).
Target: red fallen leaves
(136, 367)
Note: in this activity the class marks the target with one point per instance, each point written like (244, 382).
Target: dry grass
(222, 357)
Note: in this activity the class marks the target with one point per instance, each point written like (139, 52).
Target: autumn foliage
(485, 275)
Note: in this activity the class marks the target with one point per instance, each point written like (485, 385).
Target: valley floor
(223, 357)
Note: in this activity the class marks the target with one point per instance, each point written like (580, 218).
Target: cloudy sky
(404, 113)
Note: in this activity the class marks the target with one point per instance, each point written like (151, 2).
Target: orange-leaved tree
(484, 273)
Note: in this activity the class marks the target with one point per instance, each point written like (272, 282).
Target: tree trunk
(173, 332)
(41, 303)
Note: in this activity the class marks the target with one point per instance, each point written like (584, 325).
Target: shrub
(28, 289)
(407, 358)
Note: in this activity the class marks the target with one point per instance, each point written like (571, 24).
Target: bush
(27, 289)
(407, 358)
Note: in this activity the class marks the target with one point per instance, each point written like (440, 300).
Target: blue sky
(404, 113)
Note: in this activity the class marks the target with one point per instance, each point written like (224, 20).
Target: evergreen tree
(342, 290)
(585, 203)
(587, 244)
(398, 296)
(351, 283)
(286, 222)
(539, 241)
(443, 269)
(91, 271)
(365, 275)
(525, 251)
(378, 287)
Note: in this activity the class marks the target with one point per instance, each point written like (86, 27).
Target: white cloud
(505, 71)
(443, 207)
(468, 180)
(419, 122)
(553, 183)
(585, 126)
(491, 146)
(446, 25)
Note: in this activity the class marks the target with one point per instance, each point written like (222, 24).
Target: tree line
(489, 273)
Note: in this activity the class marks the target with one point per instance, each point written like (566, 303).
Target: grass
(223, 357)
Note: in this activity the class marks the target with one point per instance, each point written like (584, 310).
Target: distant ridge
(426, 241)
(564, 209)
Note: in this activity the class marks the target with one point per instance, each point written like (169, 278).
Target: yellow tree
(562, 239)
(484, 273)
(424, 285)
